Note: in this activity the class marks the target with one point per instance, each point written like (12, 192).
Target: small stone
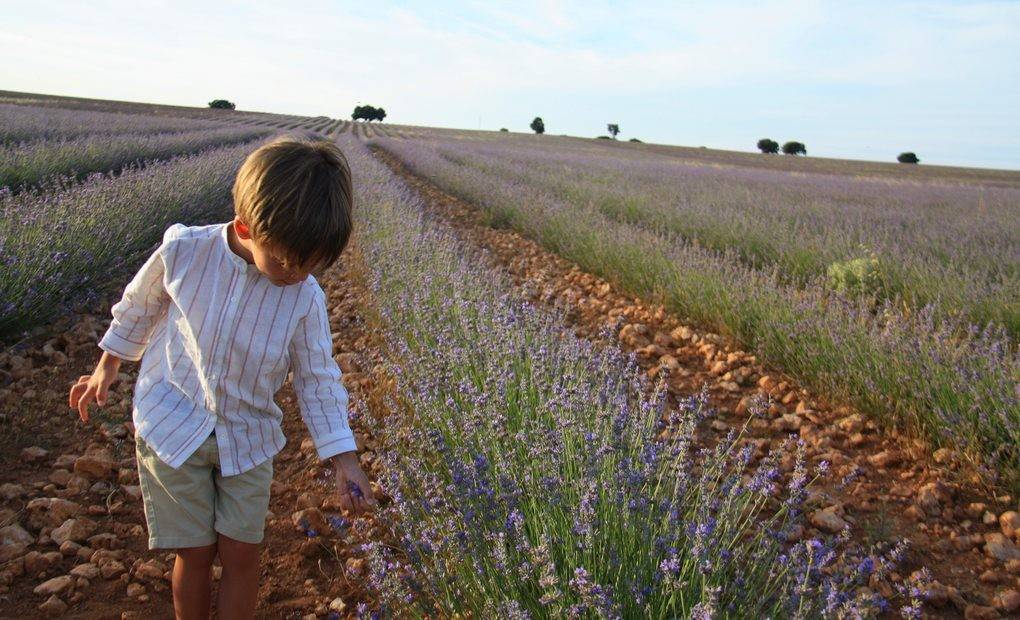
(36, 562)
(931, 496)
(936, 594)
(60, 477)
(32, 454)
(310, 519)
(974, 510)
(112, 569)
(131, 491)
(153, 570)
(787, 422)
(10, 490)
(1009, 522)
(1008, 601)
(337, 605)
(851, 424)
(53, 606)
(885, 458)
(88, 571)
(14, 541)
(1000, 547)
(65, 461)
(50, 511)
(989, 518)
(97, 465)
(76, 530)
(980, 612)
(827, 520)
(69, 548)
(55, 585)
(134, 590)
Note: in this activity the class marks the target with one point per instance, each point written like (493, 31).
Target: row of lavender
(533, 475)
(957, 384)
(20, 123)
(60, 247)
(30, 163)
(954, 246)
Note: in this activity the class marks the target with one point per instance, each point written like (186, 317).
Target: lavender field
(530, 471)
(898, 296)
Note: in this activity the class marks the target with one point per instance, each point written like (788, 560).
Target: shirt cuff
(123, 348)
(333, 444)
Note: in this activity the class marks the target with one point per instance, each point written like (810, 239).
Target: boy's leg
(192, 582)
(180, 513)
(242, 502)
(239, 585)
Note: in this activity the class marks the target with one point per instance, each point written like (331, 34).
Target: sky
(861, 80)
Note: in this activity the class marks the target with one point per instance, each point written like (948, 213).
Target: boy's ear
(242, 229)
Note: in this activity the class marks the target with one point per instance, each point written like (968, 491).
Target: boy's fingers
(83, 403)
(101, 395)
(72, 400)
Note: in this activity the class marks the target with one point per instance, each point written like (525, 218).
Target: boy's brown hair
(295, 196)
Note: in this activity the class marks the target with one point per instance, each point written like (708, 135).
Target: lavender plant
(21, 123)
(26, 164)
(535, 476)
(954, 382)
(60, 243)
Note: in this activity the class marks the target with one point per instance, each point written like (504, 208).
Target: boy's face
(270, 261)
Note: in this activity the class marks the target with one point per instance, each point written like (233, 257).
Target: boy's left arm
(323, 401)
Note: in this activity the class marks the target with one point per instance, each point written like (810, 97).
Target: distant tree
(908, 158)
(368, 113)
(603, 138)
(794, 148)
(537, 125)
(613, 129)
(503, 129)
(634, 140)
(221, 104)
(768, 145)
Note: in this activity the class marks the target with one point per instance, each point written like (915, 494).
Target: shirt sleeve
(143, 303)
(321, 395)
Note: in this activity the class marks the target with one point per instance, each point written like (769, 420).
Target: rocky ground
(963, 531)
(72, 530)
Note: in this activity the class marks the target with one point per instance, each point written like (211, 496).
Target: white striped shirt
(216, 339)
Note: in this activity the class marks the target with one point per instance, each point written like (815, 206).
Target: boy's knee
(197, 556)
(236, 554)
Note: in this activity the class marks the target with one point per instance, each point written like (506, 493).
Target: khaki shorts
(187, 507)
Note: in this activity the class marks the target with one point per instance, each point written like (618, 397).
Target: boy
(217, 316)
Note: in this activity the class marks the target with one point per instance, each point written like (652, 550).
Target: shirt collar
(234, 258)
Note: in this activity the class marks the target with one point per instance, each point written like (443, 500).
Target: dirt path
(56, 469)
(897, 490)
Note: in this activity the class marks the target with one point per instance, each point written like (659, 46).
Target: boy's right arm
(141, 306)
(143, 303)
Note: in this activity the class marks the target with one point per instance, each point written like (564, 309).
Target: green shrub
(221, 104)
(856, 277)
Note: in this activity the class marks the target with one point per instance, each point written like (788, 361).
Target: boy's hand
(95, 386)
(356, 494)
